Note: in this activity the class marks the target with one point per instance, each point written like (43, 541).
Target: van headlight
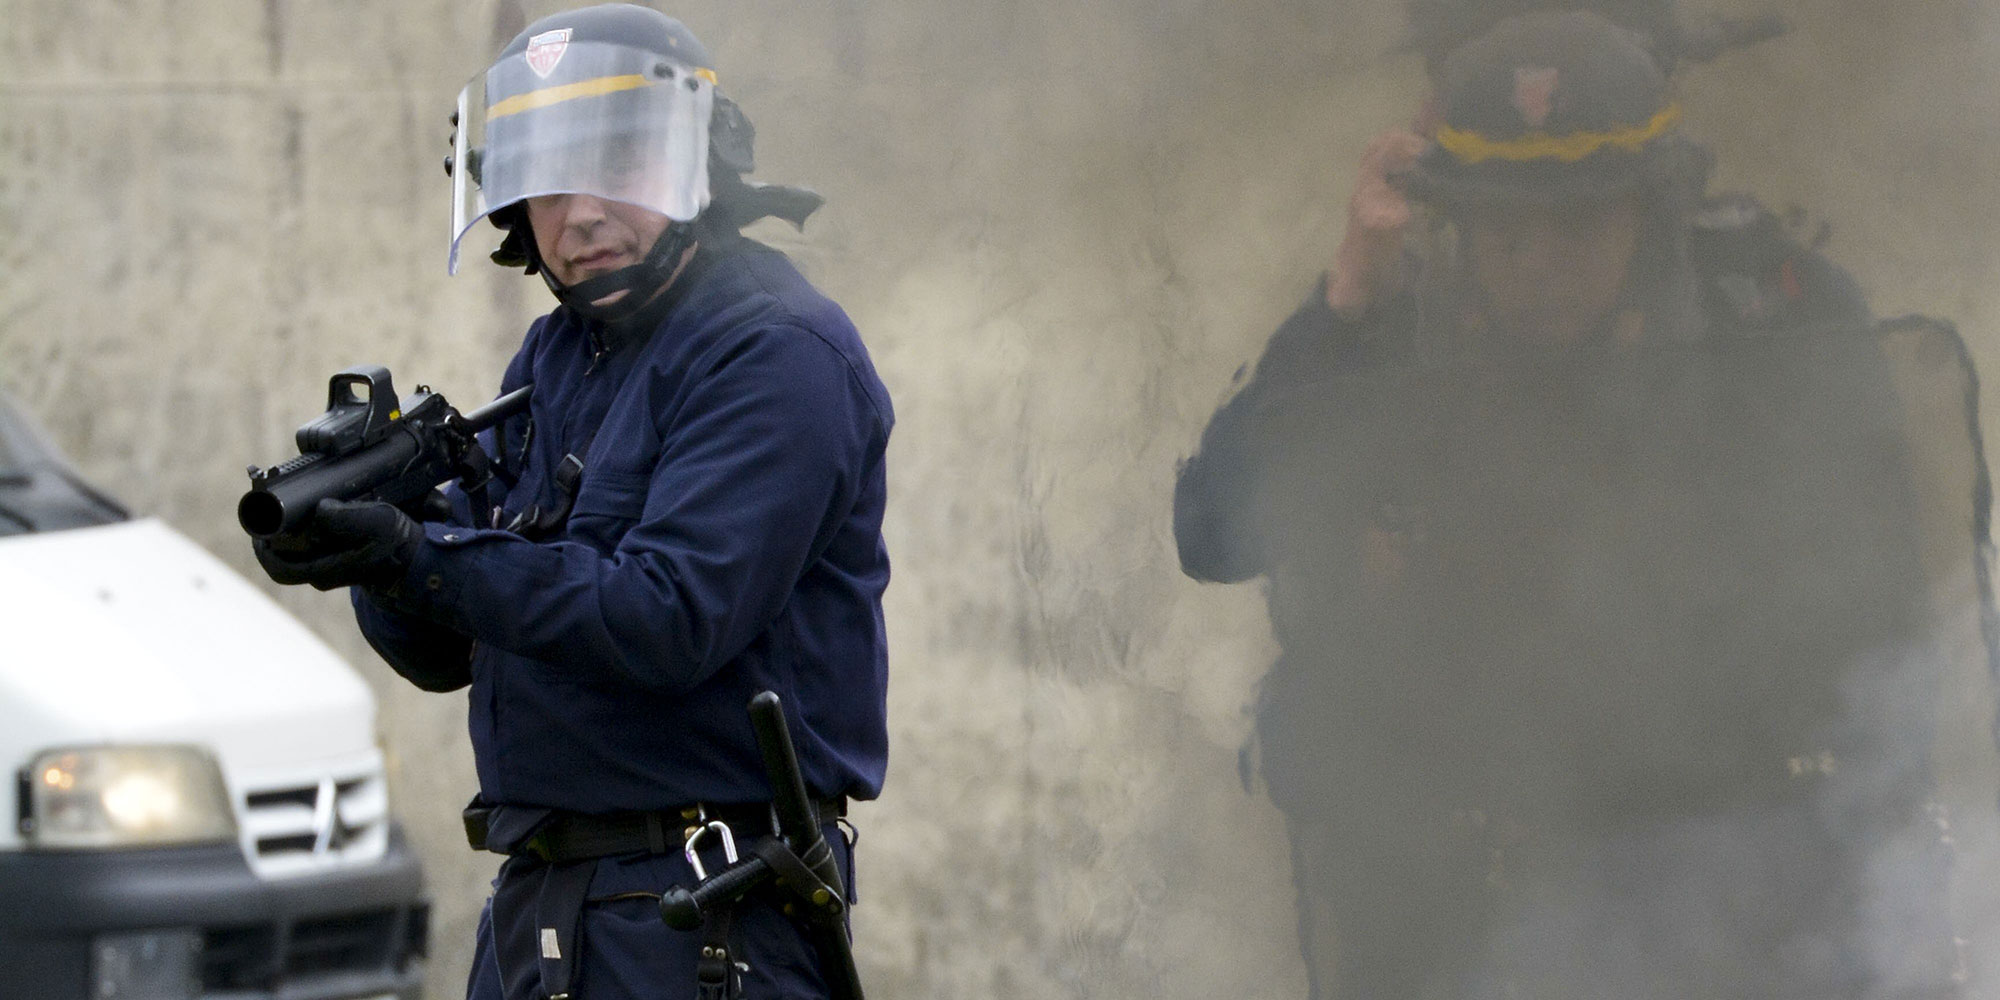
(125, 796)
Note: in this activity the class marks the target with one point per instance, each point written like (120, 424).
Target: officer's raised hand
(1369, 263)
(346, 544)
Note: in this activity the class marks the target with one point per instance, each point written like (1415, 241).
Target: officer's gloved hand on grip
(346, 544)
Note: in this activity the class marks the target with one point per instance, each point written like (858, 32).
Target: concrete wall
(1061, 228)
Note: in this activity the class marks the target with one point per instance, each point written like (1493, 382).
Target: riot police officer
(1562, 707)
(690, 512)
(1567, 207)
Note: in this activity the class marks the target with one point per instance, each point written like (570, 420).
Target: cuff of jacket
(1382, 333)
(1322, 316)
(433, 583)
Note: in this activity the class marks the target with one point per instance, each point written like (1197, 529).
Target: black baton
(798, 860)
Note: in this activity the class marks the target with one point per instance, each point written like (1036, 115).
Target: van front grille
(303, 828)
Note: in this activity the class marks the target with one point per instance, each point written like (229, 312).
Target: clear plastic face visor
(589, 118)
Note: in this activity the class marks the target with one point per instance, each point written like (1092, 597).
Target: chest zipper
(597, 353)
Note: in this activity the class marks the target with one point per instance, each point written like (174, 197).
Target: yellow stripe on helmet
(1471, 147)
(597, 87)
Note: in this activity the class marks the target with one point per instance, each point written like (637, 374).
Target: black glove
(345, 544)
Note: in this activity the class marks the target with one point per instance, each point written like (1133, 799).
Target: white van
(199, 803)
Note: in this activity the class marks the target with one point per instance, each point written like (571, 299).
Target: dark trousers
(621, 949)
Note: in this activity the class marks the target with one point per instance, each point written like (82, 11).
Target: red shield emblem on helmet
(1534, 93)
(546, 49)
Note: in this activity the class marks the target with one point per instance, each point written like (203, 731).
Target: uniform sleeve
(429, 655)
(426, 654)
(764, 455)
(1217, 528)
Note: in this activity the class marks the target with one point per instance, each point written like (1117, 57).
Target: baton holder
(794, 868)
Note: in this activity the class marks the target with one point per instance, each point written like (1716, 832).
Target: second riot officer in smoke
(1569, 698)
(689, 513)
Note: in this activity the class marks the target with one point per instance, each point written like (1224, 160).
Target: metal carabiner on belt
(720, 829)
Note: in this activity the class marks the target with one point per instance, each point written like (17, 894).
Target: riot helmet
(1437, 27)
(613, 101)
(1552, 107)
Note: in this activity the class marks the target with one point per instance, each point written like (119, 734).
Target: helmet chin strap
(640, 282)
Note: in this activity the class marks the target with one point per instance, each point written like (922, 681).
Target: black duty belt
(565, 837)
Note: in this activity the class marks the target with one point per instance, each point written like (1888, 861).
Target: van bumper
(196, 922)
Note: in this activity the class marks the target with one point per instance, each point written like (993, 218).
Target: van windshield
(12, 468)
(38, 490)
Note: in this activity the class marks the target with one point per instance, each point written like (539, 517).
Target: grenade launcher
(369, 445)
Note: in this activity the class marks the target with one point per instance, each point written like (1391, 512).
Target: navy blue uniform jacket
(726, 538)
